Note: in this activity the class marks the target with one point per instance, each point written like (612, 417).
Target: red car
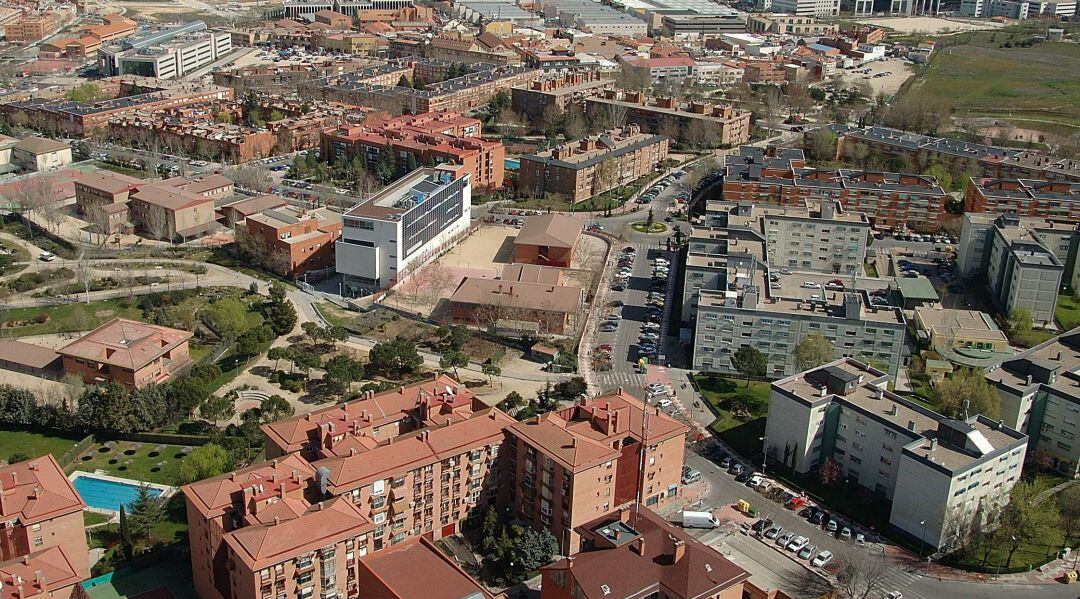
(796, 504)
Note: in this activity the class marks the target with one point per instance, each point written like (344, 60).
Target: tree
(966, 393)
(216, 409)
(279, 311)
(750, 362)
(341, 371)
(17, 457)
(205, 461)
(862, 574)
(144, 512)
(312, 330)
(943, 176)
(529, 549)
(155, 221)
(87, 93)
(84, 271)
(274, 408)
(813, 351)
(187, 395)
(830, 472)
(453, 359)
(394, 359)
(1069, 510)
(335, 334)
(1018, 322)
(490, 369)
(227, 317)
(820, 145)
(1030, 516)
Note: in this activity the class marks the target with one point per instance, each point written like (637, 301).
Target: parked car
(784, 539)
(736, 469)
(821, 559)
(665, 403)
(831, 526)
(725, 461)
(744, 476)
(807, 552)
(762, 525)
(811, 285)
(797, 544)
(689, 475)
(774, 532)
(860, 538)
(845, 534)
(754, 480)
(795, 504)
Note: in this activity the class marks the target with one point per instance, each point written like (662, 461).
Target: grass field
(146, 462)
(980, 77)
(1067, 313)
(732, 401)
(66, 318)
(33, 444)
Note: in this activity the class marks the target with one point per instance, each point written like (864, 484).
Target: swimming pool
(511, 164)
(106, 494)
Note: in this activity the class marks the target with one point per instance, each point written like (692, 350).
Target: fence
(70, 455)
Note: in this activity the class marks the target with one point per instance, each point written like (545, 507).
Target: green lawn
(67, 318)
(744, 438)
(1027, 557)
(731, 400)
(138, 461)
(979, 77)
(34, 444)
(1032, 338)
(92, 518)
(1067, 313)
(123, 170)
(871, 269)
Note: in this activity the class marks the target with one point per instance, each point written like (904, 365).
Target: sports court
(166, 580)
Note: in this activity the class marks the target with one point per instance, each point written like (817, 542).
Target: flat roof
(916, 288)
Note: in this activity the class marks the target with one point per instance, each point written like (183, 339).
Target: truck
(699, 520)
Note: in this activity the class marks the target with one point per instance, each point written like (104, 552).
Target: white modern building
(1018, 9)
(807, 8)
(168, 54)
(933, 471)
(402, 228)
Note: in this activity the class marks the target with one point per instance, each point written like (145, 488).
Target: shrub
(41, 318)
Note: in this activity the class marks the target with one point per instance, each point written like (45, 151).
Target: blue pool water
(107, 494)
(511, 164)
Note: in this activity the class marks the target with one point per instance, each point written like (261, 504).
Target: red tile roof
(397, 567)
(213, 496)
(36, 490)
(38, 573)
(125, 343)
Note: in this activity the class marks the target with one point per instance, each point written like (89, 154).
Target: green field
(731, 400)
(1067, 313)
(1028, 85)
(66, 318)
(148, 462)
(33, 444)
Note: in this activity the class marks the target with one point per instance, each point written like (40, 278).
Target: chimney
(570, 563)
(824, 392)
(911, 425)
(624, 515)
(679, 551)
(933, 444)
(639, 546)
(277, 520)
(573, 441)
(878, 393)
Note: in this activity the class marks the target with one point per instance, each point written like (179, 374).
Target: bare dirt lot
(928, 24)
(483, 255)
(898, 72)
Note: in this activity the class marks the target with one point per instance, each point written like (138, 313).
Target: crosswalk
(900, 579)
(613, 379)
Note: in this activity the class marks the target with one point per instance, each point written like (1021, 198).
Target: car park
(744, 476)
(821, 559)
(807, 552)
(831, 526)
(754, 481)
(845, 534)
(664, 403)
(784, 539)
(774, 532)
(811, 285)
(736, 469)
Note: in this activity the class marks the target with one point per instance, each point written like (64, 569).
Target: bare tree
(261, 253)
(862, 574)
(155, 221)
(617, 113)
(96, 215)
(84, 270)
(252, 177)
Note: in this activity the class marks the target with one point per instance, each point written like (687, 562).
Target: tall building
(579, 170)
(568, 467)
(807, 8)
(1019, 260)
(403, 227)
(1039, 391)
(167, 54)
(934, 472)
(43, 554)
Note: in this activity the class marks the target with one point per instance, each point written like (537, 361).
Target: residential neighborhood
(571, 299)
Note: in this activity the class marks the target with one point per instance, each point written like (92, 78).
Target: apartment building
(134, 354)
(581, 169)
(1019, 260)
(303, 239)
(959, 156)
(403, 227)
(789, 25)
(807, 8)
(93, 36)
(167, 54)
(557, 92)
(1055, 200)
(43, 553)
(1039, 395)
(932, 470)
(33, 26)
(778, 176)
(635, 552)
(40, 154)
(79, 120)
(823, 239)
(571, 466)
(429, 138)
(375, 417)
(726, 126)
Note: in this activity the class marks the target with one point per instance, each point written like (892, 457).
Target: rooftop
(552, 230)
(396, 568)
(36, 490)
(509, 294)
(125, 343)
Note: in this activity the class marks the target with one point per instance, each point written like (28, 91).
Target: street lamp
(764, 454)
(922, 541)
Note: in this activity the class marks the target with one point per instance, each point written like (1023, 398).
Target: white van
(699, 520)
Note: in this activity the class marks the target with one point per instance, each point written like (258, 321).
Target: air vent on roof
(606, 589)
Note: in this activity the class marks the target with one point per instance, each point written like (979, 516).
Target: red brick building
(548, 240)
(134, 354)
(43, 552)
(634, 552)
(303, 239)
(1024, 197)
(568, 467)
(434, 137)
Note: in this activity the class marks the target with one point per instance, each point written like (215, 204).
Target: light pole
(922, 540)
(764, 453)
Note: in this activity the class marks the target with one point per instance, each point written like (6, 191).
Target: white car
(895, 595)
(811, 285)
(797, 544)
(821, 559)
(46, 256)
(754, 481)
(664, 403)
